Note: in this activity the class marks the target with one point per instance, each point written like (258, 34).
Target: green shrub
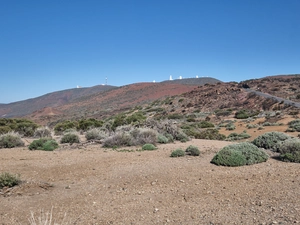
(10, 140)
(236, 136)
(61, 127)
(290, 150)
(119, 120)
(239, 155)
(136, 117)
(42, 132)
(221, 112)
(266, 124)
(190, 119)
(25, 127)
(169, 137)
(86, 124)
(9, 180)
(95, 134)
(178, 153)
(250, 126)
(182, 137)
(148, 147)
(244, 114)
(230, 126)
(45, 144)
(192, 150)
(205, 124)
(295, 125)
(70, 138)
(5, 129)
(175, 116)
(50, 145)
(270, 140)
(210, 134)
(162, 139)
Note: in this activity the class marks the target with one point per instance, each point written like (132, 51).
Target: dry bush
(46, 218)
(42, 132)
(96, 134)
(10, 140)
(118, 139)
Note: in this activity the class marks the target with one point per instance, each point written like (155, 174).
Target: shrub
(177, 153)
(230, 126)
(86, 124)
(25, 127)
(295, 125)
(50, 145)
(118, 139)
(43, 144)
(250, 126)
(5, 129)
(192, 150)
(290, 150)
(142, 136)
(239, 155)
(61, 127)
(95, 134)
(136, 117)
(244, 114)
(9, 180)
(270, 140)
(210, 134)
(70, 138)
(221, 112)
(175, 116)
(10, 140)
(119, 120)
(148, 147)
(42, 132)
(182, 137)
(236, 136)
(205, 124)
(166, 127)
(162, 139)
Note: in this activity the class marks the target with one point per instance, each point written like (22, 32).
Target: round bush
(192, 150)
(43, 144)
(70, 138)
(239, 155)
(148, 147)
(162, 139)
(290, 150)
(295, 125)
(270, 140)
(177, 153)
(10, 140)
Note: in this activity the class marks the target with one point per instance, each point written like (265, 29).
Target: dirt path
(93, 185)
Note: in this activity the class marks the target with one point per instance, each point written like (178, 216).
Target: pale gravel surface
(93, 185)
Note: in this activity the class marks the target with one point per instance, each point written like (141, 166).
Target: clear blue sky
(52, 45)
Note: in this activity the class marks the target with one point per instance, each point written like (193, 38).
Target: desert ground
(88, 184)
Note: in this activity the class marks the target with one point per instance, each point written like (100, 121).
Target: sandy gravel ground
(92, 185)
